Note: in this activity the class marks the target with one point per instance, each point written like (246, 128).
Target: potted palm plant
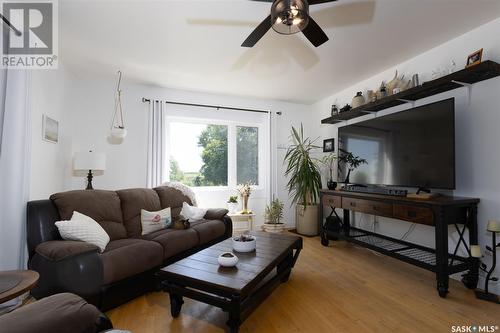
(273, 215)
(304, 181)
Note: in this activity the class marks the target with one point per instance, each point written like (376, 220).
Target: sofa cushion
(173, 198)
(216, 213)
(132, 201)
(126, 257)
(63, 313)
(208, 230)
(174, 241)
(102, 206)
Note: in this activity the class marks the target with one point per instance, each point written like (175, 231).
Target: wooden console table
(439, 212)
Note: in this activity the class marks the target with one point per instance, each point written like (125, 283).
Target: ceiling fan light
(289, 16)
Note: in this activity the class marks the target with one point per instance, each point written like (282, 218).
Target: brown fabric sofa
(126, 267)
(62, 313)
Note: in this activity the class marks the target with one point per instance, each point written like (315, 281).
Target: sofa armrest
(62, 313)
(68, 266)
(216, 214)
(59, 250)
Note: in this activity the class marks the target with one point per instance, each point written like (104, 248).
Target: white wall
(51, 93)
(477, 134)
(84, 107)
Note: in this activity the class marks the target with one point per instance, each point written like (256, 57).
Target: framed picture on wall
(50, 129)
(475, 58)
(329, 145)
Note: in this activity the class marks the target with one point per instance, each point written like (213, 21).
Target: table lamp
(89, 161)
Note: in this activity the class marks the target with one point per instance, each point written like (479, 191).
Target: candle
(475, 251)
(493, 226)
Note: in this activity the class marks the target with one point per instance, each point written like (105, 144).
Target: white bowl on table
(227, 259)
(247, 246)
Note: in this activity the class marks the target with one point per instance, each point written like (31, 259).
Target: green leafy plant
(274, 212)
(329, 162)
(233, 199)
(302, 169)
(351, 162)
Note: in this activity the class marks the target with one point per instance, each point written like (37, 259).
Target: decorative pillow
(154, 221)
(192, 213)
(83, 228)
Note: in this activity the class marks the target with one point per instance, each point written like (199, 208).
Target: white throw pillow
(154, 221)
(85, 229)
(192, 213)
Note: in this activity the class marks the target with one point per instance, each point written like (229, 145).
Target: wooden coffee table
(237, 290)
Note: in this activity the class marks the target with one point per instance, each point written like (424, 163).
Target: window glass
(198, 154)
(247, 155)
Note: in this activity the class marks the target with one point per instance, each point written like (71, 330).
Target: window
(198, 154)
(247, 155)
(208, 154)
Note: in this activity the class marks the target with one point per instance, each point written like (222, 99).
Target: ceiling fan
(289, 17)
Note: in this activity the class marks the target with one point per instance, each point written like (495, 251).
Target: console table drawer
(422, 215)
(367, 206)
(333, 201)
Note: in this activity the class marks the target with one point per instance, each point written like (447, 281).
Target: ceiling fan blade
(314, 33)
(258, 33)
(315, 2)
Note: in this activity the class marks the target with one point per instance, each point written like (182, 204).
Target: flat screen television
(411, 148)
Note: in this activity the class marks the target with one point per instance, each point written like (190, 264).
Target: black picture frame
(329, 145)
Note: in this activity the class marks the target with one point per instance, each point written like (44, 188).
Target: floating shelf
(483, 71)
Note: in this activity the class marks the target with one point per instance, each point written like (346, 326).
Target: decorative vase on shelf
(358, 100)
(331, 184)
(335, 110)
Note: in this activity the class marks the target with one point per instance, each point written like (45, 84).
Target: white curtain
(156, 144)
(15, 141)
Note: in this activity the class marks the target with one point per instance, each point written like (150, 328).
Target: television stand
(439, 212)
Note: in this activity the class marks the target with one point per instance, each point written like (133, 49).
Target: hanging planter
(117, 130)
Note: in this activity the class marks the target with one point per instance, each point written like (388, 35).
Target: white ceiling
(195, 45)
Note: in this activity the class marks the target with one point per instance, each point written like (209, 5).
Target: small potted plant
(351, 163)
(273, 215)
(232, 204)
(244, 243)
(329, 162)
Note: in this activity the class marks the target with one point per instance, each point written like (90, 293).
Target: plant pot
(248, 246)
(307, 220)
(332, 185)
(232, 207)
(227, 259)
(273, 227)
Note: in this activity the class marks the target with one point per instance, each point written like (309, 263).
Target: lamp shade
(493, 226)
(89, 161)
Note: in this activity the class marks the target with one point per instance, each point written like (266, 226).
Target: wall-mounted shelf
(483, 71)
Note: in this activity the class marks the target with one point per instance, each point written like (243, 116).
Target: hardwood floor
(342, 288)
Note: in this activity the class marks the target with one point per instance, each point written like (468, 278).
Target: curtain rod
(218, 107)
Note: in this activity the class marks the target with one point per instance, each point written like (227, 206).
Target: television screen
(412, 148)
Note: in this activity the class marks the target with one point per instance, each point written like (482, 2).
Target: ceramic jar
(358, 100)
